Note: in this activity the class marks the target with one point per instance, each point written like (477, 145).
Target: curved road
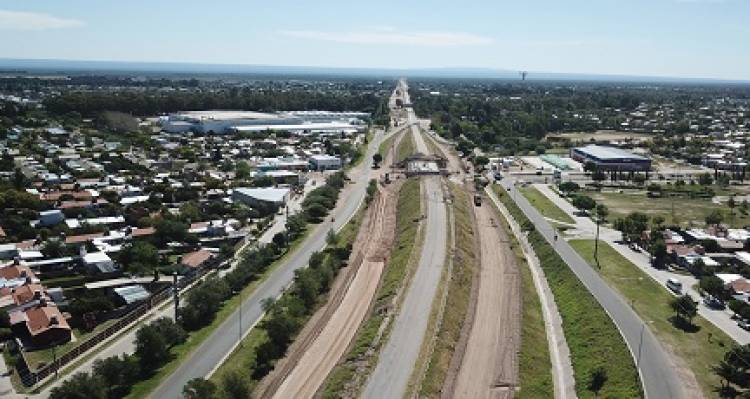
(655, 366)
(214, 350)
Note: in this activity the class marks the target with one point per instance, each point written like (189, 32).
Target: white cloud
(22, 20)
(388, 35)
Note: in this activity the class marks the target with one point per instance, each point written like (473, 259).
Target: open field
(676, 210)
(699, 350)
(348, 376)
(545, 206)
(459, 293)
(592, 337)
(597, 135)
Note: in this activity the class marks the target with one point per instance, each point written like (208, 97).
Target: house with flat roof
(261, 196)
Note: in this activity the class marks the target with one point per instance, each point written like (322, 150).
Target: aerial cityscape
(302, 202)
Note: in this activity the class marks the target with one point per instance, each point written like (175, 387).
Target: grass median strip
(700, 350)
(348, 376)
(405, 148)
(593, 339)
(459, 295)
(545, 206)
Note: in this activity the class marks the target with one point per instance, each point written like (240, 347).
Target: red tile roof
(196, 259)
(82, 238)
(25, 293)
(16, 271)
(43, 318)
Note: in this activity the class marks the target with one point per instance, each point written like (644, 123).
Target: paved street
(206, 357)
(399, 354)
(585, 228)
(655, 366)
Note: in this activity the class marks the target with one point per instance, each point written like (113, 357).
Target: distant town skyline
(669, 38)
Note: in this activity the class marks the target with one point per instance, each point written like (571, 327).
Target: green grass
(592, 337)
(534, 364)
(243, 357)
(38, 358)
(180, 352)
(545, 206)
(364, 349)
(459, 295)
(700, 350)
(678, 210)
(405, 148)
(386, 145)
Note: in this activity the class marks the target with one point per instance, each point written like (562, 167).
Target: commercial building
(223, 121)
(610, 158)
(325, 162)
(267, 196)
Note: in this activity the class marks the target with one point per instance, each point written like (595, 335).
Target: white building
(261, 196)
(324, 162)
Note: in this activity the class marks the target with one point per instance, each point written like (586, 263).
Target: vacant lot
(676, 210)
(545, 206)
(698, 350)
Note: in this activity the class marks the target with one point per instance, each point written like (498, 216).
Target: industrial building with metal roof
(610, 158)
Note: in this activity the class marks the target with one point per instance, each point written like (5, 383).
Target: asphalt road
(655, 366)
(212, 352)
(397, 358)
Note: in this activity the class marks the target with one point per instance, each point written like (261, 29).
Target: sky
(671, 38)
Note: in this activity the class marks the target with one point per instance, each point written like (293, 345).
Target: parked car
(744, 324)
(674, 285)
(713, 303)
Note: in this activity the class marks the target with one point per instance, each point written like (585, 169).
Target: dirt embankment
(329, 332)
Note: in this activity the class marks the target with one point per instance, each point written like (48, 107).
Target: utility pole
(640, 346)
(175, 293)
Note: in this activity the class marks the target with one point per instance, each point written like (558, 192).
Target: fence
(31, 378)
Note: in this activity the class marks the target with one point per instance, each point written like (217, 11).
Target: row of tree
(114, 377)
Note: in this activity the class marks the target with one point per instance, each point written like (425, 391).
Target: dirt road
(489, 367)
(347, 308)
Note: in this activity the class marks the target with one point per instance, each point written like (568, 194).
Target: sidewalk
(586, 229)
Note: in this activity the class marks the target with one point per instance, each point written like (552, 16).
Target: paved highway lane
(655, 366)
(211, 353)
(397, 358)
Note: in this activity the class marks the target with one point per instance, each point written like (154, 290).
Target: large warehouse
(223, 121)
(611, 158)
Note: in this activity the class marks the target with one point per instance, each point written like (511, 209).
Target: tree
(377, 159)
(481, 161)
(139, 257)
(597, 380)
(279, 239)
(118, 373)
(172, 332)
(659, 253)
(80, 386)
(684, 308)
(639, 179)
(151, 348)
(705, 179)
(235, 385)
(584, 202)
(598, 176)
(568, 187)
(331, 238)
(199, 388)
(714, 218)
(713, 286)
